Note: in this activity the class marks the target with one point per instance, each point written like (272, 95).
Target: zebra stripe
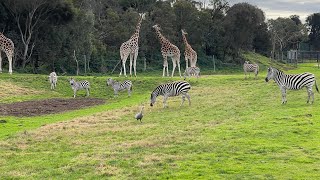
(250, 68)
(76, 86)
(117, 86)
(191, 71)
(53, 78)
(171, 89)
(292, 82)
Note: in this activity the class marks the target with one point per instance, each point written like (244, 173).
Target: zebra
(79, 85)
(195, 71)
(53, 78)
(171, 89)
(292, 81)
(117, 86)
(247, 67)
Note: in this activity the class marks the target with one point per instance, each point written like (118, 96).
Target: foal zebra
(53, 78)
(79, 85)
(294, 82)
(250, 68)
(171, 89)
(191, 71)
(117, 86)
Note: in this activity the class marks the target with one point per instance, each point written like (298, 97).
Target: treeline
(57, 34)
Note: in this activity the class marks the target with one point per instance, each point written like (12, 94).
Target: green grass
(234, 129)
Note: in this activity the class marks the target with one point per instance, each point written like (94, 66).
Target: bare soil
(48, 106)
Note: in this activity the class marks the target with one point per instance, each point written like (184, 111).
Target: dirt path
(48, 106)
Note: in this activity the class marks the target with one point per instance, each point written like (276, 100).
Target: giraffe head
(183, 32)
(156, 27)
(143, 16)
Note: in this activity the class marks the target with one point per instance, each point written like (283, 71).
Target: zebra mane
(278, 70)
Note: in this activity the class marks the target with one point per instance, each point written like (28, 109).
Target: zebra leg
(187, 95)
(284, 98)
(129, 92)
(74, 93)
(165, 97)
(115, 93)
(87, 94)
(183, 99)
(310, 93)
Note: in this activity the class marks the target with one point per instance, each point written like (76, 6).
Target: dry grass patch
(10, 89)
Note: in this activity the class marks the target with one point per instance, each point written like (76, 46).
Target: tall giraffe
(189, 53)
(168, 50)
(131, 47)
(7, 46)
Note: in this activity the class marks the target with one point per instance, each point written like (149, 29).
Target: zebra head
(270, 74)
(153, 99)
(109, 82)
(72, 82)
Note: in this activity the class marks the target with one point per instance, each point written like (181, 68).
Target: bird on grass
(139, 115)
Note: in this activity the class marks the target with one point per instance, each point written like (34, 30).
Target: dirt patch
(49, 106)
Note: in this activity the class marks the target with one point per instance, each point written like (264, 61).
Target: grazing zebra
(191, 71)
(294, 82)
(171, 89)
(250, 68)
(117, 86)
(79, 85)
(53, 78)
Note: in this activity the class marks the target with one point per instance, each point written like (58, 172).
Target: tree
(313, 22)
(283, 32)
(241, 23)
(29, 15)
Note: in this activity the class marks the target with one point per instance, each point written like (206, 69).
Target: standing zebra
(250, 68)
(294, 82)
(117, 86)
(53, 78)
(171, 89)
(79, 85)
(191, 71)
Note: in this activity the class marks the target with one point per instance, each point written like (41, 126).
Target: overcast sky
(282, 8)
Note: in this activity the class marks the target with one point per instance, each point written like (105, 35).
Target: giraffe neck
(185, 40)
(162, 39)
(137, 31)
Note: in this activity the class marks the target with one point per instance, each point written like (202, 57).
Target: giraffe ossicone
(7, 46)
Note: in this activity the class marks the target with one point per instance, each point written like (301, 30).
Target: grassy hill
(234, 129)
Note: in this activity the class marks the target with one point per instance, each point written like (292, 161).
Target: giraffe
(7, 46)
(131, 48)
(168, 50)
(189, 53)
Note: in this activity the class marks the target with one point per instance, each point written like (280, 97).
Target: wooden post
(214, 64)
(144, 64)
(318, 59)
(85, 64)
(75, 58)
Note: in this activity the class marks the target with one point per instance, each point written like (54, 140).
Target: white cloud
(282, 8)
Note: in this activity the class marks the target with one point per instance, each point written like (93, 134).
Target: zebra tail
(317, 86)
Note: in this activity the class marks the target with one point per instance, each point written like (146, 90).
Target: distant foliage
(91, 32)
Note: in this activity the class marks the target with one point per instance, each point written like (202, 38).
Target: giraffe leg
(0, 63)
(186, 62)
(131, 59)
(165, 64)
(174, 66)
(178, 62)
(10, 64)
(124, 60)
(135, 62)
